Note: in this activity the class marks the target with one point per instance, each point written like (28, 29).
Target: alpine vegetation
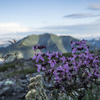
(70, 75)
(36, 89)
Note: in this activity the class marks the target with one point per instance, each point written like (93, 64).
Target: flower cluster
(38, 47)
(71, 73)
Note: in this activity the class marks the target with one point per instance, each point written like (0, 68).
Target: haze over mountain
(23, 47)
(95, 42)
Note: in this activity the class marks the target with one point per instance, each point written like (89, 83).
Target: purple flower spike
(41, 46)
(39, 67)
(60, 54)
(49, 55)
(74, 50)
(63, 59)
(38, 47)
(34, 57)
(89, 75)
(97, 74)
(43, 68)
(72, 43)
(35, 48)
(60, 69)
(38, 57)
(52, 63)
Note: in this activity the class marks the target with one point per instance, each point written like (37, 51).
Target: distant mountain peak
(97, 38)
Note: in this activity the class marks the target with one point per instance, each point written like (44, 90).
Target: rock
(22, 96)
(2, 76)
(18, 89)
(22, 77)
(23, 81)
(23, 85)
(10, 89)
(1, 83)
(5, 91)
(27, 76)
(8, 82)
(48, 92)
(13, 93)
(3, 98)
(49, 86)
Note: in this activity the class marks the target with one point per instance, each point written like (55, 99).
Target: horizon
(20, 18)
(7, 43)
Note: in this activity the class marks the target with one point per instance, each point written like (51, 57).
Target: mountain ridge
(95, 42)
(53, 42)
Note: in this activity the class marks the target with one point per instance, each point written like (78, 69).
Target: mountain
(95, 42)
(3, 44)
(23, 47)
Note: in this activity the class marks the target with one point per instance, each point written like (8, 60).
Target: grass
(67, 54)
(11, 66)
(89, 95)
(26, 71)
(6, 66)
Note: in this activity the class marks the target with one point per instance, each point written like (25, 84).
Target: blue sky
(78, 18)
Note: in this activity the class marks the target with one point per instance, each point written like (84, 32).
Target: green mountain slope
(23, 47)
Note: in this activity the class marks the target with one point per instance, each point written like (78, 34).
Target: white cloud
(52, 30)
(86, 30)
(81, 15)
(82, 36)
(95, 6)
(12, 28)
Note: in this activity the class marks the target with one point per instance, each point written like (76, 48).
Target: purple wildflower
(38, 47)
(39, 67)
(38, 57)
(74, 50)
(63, 59)
(52, 62)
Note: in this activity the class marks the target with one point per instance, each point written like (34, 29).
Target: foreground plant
(36, 89)
(71, 75)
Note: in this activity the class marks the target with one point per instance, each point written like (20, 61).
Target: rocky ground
(16, 88)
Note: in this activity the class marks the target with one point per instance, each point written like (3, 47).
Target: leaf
(44, 78)
(49, 78)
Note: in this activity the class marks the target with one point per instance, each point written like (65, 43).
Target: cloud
(95, 7)
(80, 31)
(82, 36)
(51, 29)
(81, 15)
(1, 42)
(12, 28)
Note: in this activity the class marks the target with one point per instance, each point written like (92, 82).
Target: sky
(77, 18)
